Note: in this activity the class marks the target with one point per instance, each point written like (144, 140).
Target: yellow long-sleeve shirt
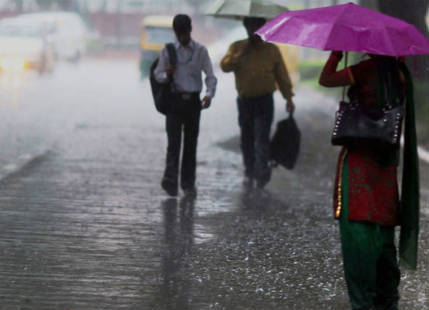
(257, 69)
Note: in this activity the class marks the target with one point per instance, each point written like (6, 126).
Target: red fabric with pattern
(373, 190)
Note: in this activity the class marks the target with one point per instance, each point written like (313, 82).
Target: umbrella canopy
(346, 27)
(238, 9)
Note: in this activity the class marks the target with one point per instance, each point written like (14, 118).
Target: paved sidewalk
(86, 225)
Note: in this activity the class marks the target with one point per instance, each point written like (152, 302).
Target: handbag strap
(172, 57)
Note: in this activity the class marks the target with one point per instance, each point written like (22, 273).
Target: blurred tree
(198, 4)
(19, 5)
(306, 4)
(370, 4)
(66, 4)
(45, 4)
(62, 4)
(411, 11)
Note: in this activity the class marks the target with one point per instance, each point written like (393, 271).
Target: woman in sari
(366, 196)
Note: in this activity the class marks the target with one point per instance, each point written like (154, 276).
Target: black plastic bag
(285, 143)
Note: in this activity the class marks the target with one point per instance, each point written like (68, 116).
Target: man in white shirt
(192, 60)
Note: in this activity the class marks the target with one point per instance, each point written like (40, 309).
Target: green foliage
(310, 69)
(94, 46)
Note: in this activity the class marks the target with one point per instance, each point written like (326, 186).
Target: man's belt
(187, 96)
(259, 97)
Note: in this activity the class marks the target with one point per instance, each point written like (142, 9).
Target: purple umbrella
(346, 27)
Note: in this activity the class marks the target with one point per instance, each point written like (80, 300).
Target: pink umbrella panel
(346, 27)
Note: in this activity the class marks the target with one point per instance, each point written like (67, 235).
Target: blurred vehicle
(67, 31)
(156, 31)
(24, 46)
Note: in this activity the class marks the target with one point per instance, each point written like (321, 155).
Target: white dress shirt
(192, 60)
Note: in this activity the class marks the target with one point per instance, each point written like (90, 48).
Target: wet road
(85, 225)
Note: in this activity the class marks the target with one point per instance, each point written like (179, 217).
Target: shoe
(248, 182)
(388, 306)
(190, 192)
(261, 183)
(169, 187)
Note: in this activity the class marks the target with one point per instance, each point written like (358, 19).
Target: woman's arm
(330, 77)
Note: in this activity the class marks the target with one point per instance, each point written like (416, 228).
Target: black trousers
(184, 121)
(255, 116)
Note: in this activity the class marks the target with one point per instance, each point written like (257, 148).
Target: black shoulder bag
(355, 123)
(163, 92)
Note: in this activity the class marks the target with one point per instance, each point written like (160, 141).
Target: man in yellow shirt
(258, 66)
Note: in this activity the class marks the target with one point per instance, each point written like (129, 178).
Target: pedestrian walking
(186, 105)
(257, 67)
(366, 199)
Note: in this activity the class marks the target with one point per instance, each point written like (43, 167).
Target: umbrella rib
(337, 18)
(391, 45)
(328, 37)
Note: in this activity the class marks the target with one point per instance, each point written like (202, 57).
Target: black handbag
(285, 143)
(356, 123)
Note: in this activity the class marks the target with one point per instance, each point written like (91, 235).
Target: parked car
(67, 30)
(24, 46)
(156, 31)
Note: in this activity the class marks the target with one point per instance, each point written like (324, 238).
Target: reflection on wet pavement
(179, 237)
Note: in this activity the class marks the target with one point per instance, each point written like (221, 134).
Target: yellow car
(155, 33)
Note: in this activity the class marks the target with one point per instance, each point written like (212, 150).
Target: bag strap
(389, 90)
(172, 56)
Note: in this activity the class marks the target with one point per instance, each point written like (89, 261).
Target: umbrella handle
(345, 66)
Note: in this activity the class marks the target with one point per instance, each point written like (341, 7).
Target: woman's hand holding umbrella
(338, 54)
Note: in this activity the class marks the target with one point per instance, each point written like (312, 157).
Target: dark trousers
(183, 121)
(255, 116)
